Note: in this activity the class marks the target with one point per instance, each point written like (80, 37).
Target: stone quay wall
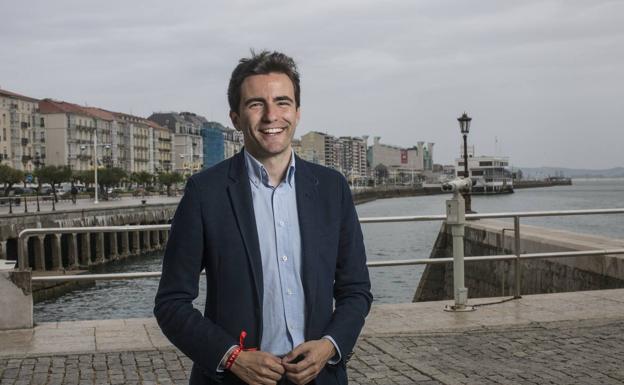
(497, 278)
(60, 252)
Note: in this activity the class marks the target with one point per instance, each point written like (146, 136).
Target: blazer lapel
(307, 196)
(240, 196)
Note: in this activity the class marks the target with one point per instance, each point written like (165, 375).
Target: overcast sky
(543, 80)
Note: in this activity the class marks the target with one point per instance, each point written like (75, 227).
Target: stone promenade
(571, 338)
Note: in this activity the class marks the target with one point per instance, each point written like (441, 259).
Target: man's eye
(283, 103)
(255, 105)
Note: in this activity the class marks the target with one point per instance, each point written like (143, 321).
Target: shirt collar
(258, 174)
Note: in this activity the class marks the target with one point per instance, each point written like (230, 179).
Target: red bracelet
(240, 348)
(232, 358)
(241, 339)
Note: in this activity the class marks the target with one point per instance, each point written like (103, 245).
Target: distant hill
(543, 172)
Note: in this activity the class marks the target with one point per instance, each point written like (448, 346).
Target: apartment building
(163, 147)
(353, 162)
(233, 141)
(346, 154)
(321, 148)
(187, 154)
(75, 134)
(22, 135)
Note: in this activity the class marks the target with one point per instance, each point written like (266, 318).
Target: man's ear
(234, 119)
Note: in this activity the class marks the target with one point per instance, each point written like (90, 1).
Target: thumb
(294, 353)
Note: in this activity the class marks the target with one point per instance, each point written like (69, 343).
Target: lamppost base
(459, 308)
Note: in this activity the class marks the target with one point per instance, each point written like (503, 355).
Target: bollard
(455, 217)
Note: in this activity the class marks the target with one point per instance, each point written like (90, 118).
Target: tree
(381, 172)
(109, 177)
(143, 178)
(53, 175)
(169, 178)
(85, 177)
(9, 176)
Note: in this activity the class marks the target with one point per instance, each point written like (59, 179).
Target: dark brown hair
(261, 64)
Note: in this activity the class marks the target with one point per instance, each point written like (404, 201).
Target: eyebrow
(262, 100)
(280, 98)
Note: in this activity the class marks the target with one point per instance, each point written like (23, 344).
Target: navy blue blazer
(214, 229)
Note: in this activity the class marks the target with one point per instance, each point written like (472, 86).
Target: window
(489, 163)
(4, 133)
(477, 172)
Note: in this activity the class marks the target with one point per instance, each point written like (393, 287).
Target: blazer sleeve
(352, 285)
(199, 338)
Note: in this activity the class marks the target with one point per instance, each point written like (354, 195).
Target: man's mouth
(272, 131)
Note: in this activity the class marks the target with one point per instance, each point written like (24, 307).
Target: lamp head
(464, 123)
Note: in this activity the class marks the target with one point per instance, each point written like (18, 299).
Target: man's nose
(270, 113)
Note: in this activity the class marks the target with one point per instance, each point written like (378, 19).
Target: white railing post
(518, 253)
(456, 219)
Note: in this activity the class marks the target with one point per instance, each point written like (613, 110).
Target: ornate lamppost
(464, 127)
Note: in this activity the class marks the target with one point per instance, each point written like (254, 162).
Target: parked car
(46, 190)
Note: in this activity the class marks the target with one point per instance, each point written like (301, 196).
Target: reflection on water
(135, 298)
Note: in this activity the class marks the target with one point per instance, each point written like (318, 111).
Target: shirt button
(289, 291)
(284, 258)
(281, 223)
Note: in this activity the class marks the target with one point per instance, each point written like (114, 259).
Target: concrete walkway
(84, 204)
(567, 338)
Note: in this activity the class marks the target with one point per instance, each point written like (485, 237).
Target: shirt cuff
(335, 359)
(221, 367)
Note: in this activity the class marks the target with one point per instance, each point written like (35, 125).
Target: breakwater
(369, 195)
(75, 253)
(542, 183)
(496, 278)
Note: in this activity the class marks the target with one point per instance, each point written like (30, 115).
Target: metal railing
(30, 202)
(516, 257)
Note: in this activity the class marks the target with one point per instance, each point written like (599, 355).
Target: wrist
(331, 349)
(232, 358)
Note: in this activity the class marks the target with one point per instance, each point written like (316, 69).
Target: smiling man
(287, 285)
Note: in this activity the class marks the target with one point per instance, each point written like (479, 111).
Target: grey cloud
(545, 77)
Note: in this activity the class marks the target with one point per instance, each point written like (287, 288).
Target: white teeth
(272, 130)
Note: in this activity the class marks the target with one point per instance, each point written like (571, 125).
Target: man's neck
(277, 166)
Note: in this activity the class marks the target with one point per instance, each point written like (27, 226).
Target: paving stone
(582, 352)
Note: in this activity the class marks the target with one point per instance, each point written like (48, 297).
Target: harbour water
(134, 298)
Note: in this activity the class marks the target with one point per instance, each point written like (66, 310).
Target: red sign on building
(403, 156)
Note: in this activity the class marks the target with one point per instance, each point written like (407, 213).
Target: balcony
(24, 125)
(25, 141)
(26, 158)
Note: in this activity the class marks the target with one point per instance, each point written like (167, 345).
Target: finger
(300, 349)
(274, 365)
(269, 375)
(301, 378)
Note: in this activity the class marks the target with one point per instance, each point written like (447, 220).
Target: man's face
(267, 115)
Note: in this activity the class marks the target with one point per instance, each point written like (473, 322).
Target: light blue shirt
(277, 222)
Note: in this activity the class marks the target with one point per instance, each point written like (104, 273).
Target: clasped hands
(257, 367)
